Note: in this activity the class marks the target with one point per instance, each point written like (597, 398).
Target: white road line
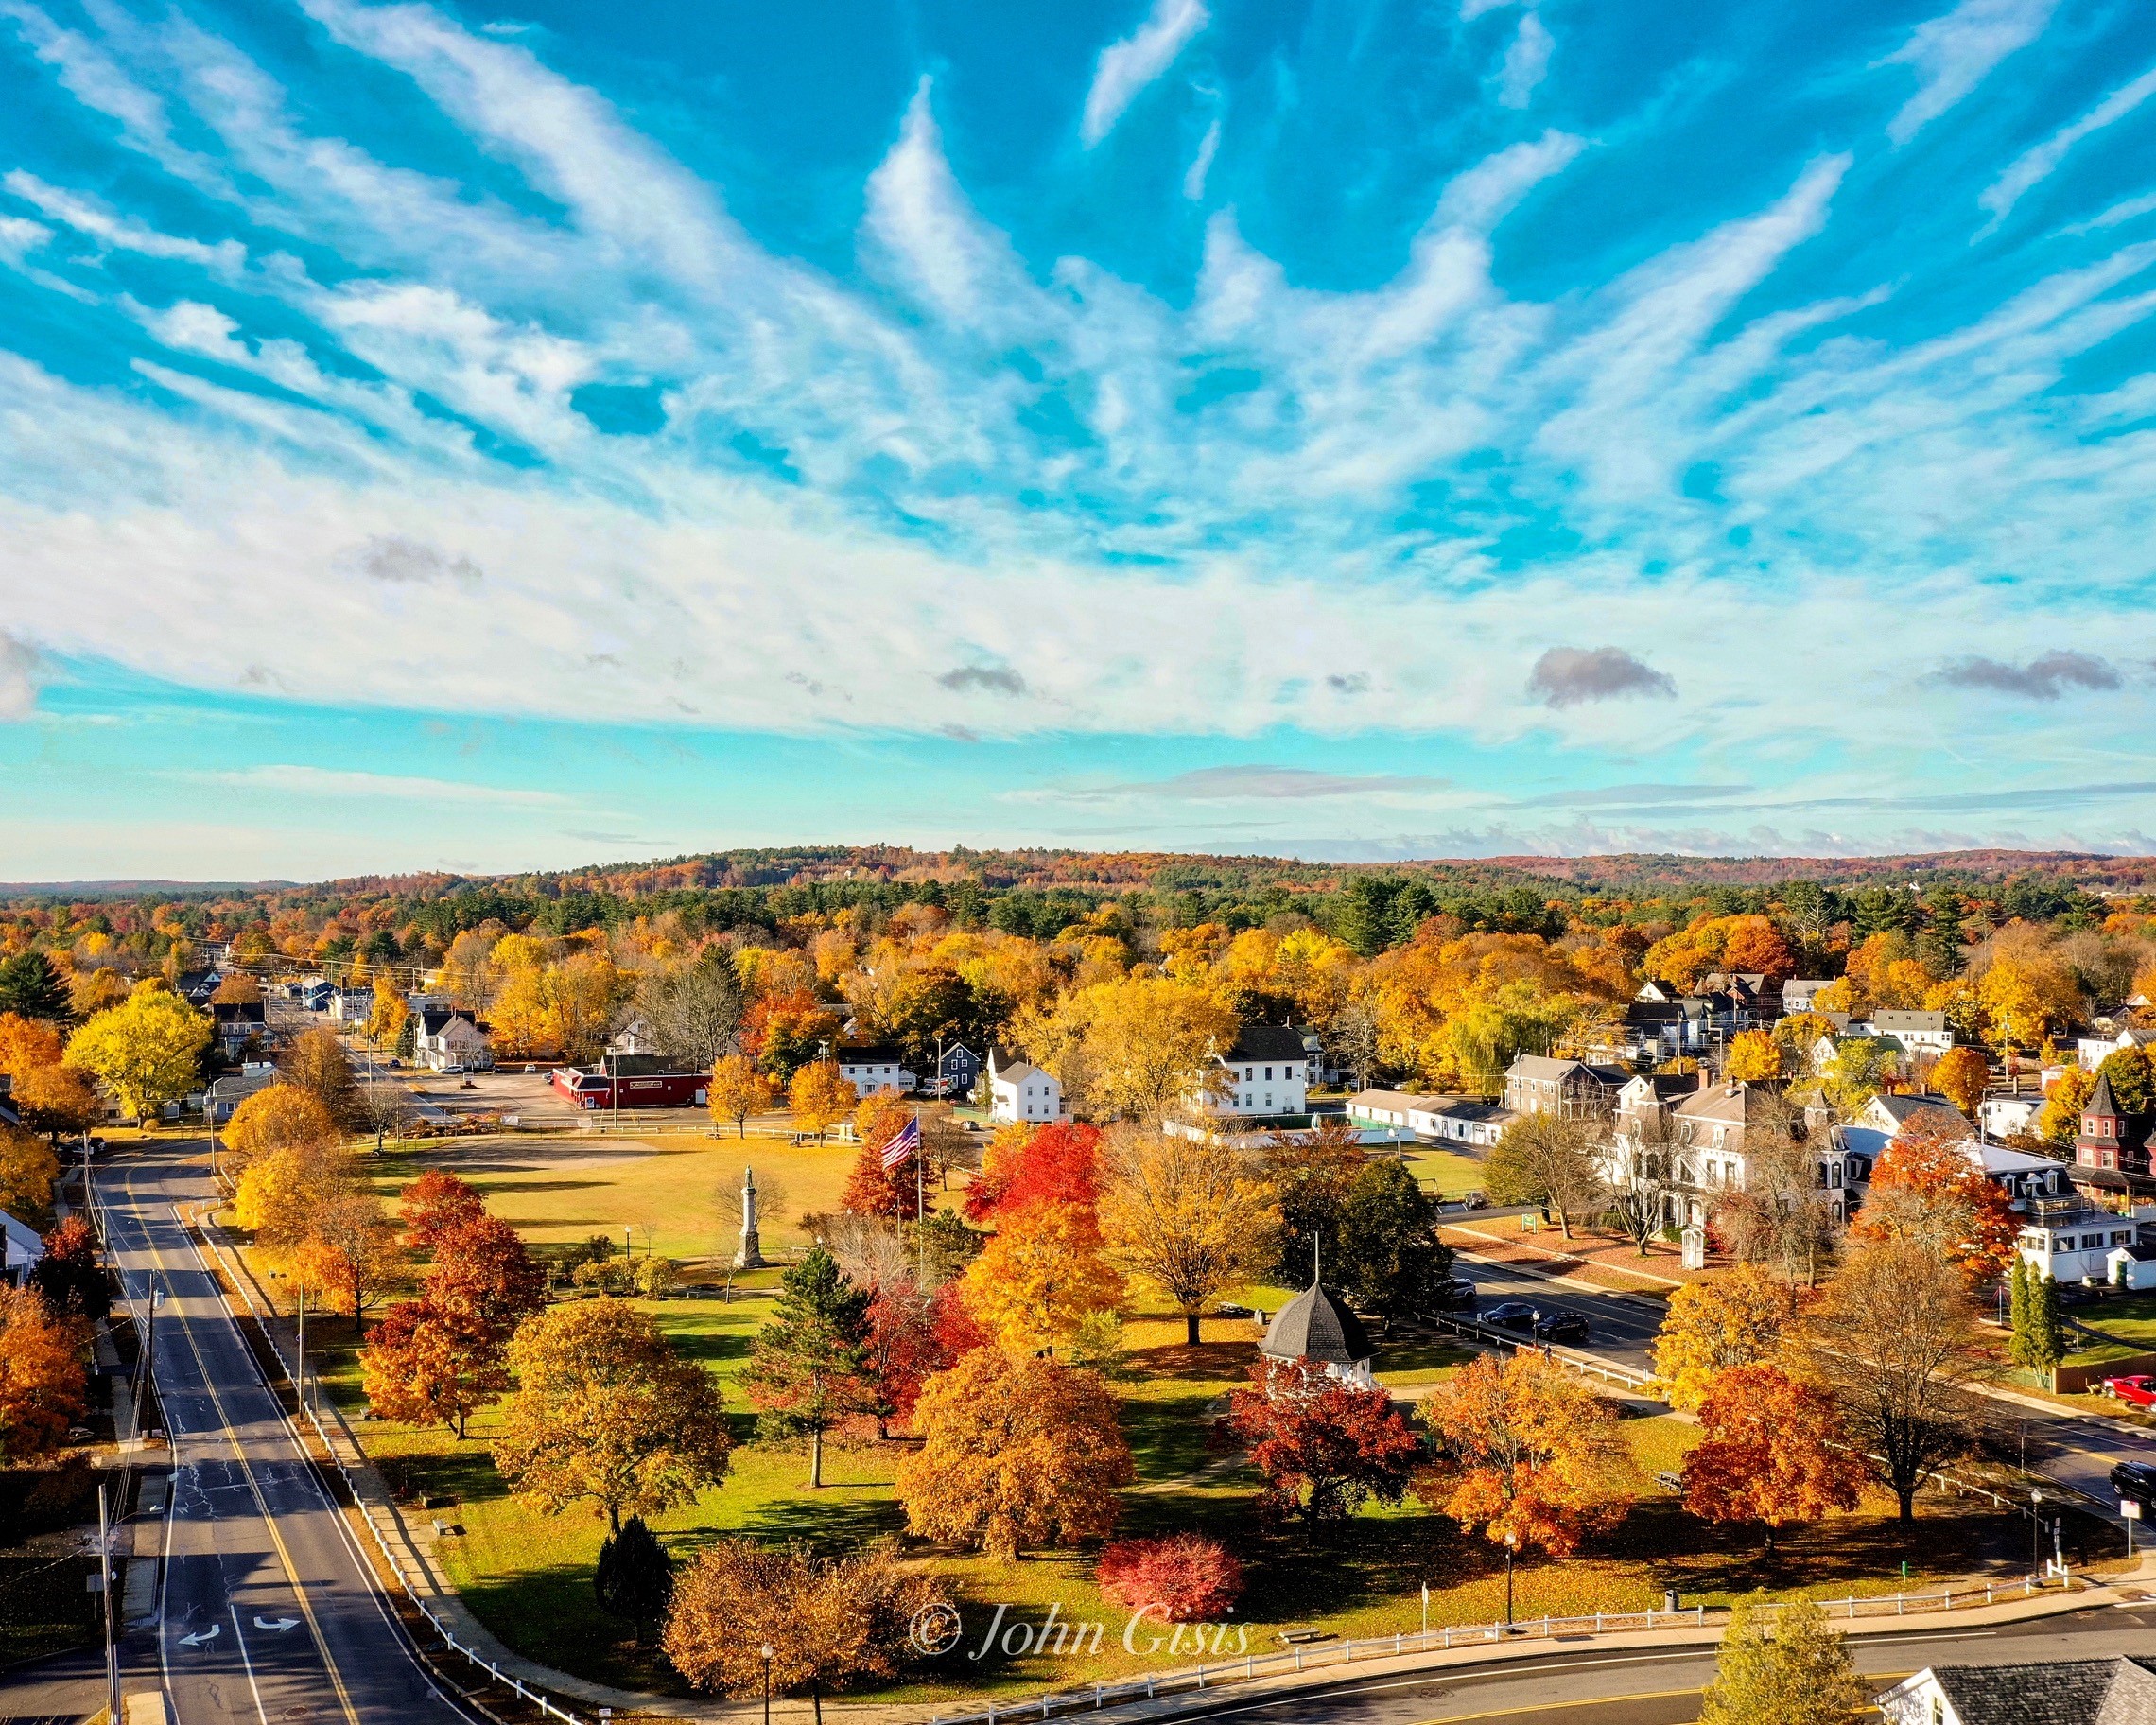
(259, 1712)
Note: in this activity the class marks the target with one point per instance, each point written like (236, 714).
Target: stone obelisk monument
(750, 1255)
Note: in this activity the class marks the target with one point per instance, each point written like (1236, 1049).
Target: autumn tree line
(1408, 977)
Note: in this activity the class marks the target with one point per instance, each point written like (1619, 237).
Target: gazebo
(1318, 1328)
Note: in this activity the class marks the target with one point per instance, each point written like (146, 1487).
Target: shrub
(1187, 1578)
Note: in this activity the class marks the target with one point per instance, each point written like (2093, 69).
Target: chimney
(1703, 1075)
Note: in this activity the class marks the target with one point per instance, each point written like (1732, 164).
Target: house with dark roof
(1265, 1074)
(2118, 1691)
(2112, 1143)
(873, 1066)
(237, 1022)
(1543, 1084)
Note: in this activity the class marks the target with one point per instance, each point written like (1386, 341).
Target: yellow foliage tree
(820, 1096)
(737, 1090)
(280, 1196)
(147, 1050)
(1736, 1318)
(1187, 1214)
(27, 1170)
(282, 1117)
(1754, 1056)
(606, 1410)
(1040, 1278)
(1139, 1048)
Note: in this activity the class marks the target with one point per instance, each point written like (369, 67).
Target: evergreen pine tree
(2047, 1325)
(810, 1370)
(1797, 1672)
(2019, 1306)
(635, 1577)
(29, 986)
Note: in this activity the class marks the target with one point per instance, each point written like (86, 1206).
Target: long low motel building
(1435, 1119)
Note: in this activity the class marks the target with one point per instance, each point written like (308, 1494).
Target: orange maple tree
(42, 1378)
(1928, 1190)
(1960, 1075)
(1774, 1452)
(1524, 1452)
(1016, 1452)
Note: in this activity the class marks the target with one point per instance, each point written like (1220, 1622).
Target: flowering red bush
(1187, 1578)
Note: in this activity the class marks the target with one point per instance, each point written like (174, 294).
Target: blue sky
(432, 435)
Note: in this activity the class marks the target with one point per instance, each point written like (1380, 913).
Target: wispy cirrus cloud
(389, 787)
(2033, 166)
(1957, 50)
(1127, 66)
(1526, 61)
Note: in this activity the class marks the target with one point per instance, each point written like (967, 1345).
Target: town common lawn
(672, 1191)
(528, 1575)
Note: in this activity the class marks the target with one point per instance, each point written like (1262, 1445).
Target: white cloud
(329, 782)
(226, 257)
(1127, 66)
(19, 678)
(1200, 164)
(1525, 61)
(2034, 166)
(935, 245)
(1955, 52)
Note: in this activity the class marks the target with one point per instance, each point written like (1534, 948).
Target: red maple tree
(1051, 1165)
(435, 1204)
(1773, 1453)
(1324, 1446)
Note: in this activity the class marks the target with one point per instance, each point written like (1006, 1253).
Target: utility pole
(105, 1587)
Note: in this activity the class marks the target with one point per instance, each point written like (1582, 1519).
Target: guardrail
(1631, 1377)
(367, 1512)
(1306, 1658)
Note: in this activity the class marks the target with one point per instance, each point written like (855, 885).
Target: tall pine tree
(29, 986)
(810, 1370)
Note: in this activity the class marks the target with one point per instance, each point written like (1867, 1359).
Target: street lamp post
(2034, 1529)
(1511, 1545)
(766, 1652)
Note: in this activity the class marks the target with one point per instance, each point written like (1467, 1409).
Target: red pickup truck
(2137, 1391)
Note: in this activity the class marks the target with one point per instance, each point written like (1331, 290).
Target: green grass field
(528, 1575)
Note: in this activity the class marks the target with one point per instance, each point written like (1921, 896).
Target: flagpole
(920, 1213)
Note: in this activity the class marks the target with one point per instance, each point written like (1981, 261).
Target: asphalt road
(1621, 1328)
(1657, 1688)
(267, 1609)
(2063, 1445)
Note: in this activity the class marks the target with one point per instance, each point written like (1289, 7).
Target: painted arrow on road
(281, 1623)
(197, 1639)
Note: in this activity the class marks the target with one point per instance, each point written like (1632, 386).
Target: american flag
(904, 1142)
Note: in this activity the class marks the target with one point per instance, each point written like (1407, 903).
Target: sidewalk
(1527, 1648)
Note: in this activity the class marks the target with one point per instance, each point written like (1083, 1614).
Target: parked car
(1455, 1293)
(2137, 1480)
(1512, 1314)
(1562, 1327)
(1229, 1309)
(2137, 1390)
